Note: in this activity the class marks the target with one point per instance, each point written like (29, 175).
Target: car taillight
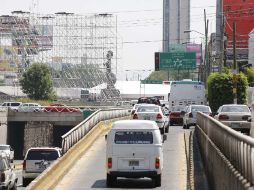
(157, 163)
(223, 117)
(159, 116)
(135, 116)
(2, 177)
(109, 163)
(24, 165)
(190, 115)
(245, 117)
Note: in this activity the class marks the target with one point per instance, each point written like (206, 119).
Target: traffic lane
(20, 183)
(89, 172)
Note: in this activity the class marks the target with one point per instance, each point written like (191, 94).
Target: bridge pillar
(37, 134)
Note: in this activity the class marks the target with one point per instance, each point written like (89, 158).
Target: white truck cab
(134, 150)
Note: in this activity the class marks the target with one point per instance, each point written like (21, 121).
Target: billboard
(242, 13)
(197, 48)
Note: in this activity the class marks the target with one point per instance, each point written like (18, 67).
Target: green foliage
(36, 82)
(170, 75)
(249, 72)
(220, 89)
(41, 102)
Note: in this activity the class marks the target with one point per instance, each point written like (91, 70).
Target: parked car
(60, 108)
(12, 105)
(175, 116)
(36, 160)
(154, 113)
(29, 107)
(134, 150)
(236, 116)
(7, 149)
(190, 114)
(8, 178)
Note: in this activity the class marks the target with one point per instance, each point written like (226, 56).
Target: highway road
(90, 173)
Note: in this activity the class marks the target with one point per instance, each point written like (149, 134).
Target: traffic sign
(177, 60)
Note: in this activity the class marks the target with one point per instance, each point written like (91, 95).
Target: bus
(186, 92)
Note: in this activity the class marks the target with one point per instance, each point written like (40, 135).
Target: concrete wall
(37, 134)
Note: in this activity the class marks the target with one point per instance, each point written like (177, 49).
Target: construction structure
(80, 50)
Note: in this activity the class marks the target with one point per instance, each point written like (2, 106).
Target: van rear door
(133, 149)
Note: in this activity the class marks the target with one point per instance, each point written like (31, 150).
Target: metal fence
(78, 132)
(228, 155)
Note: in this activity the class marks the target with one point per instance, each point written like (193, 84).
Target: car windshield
(133, 137)
(235, 109)
(4, 147)
(148, 109)
(200, 108)
(42, 155)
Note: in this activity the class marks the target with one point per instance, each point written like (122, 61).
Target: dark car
(149, 100)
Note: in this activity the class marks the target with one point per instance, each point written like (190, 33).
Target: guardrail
(78, 132)
(228, 155)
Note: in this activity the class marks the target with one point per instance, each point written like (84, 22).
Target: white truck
(186, 92)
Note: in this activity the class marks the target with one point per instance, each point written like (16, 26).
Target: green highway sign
(177, 60)
(151, 82)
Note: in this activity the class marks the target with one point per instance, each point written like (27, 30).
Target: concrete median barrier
(50, 177)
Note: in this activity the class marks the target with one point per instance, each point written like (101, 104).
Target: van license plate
(133, 163)
(146, 118)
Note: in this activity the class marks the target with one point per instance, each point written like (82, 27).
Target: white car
(236, 116)
(134, 150)
(190, 114)
(8, 178)
(8, 151)
(29, 107)
(12, 105)
(36, 160)
(152, 112)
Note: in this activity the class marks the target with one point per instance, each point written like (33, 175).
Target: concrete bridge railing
(78, 132)
(228, 155)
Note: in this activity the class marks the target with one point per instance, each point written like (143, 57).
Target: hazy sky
(138, 21)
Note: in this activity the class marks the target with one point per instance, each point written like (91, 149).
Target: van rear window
(133, 137)
(42, 155)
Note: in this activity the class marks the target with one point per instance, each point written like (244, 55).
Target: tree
(171, 75)
(36, 82)
(249, 72)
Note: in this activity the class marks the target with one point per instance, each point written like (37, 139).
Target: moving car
(29, 107)
(36, 160)
(12, 105)
(190, 114)
(236, 116)
(8, 178)
(7, 149)
(175, 116)
(154, 113)
(134, 150)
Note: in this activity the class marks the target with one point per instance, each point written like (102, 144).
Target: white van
(134, 150)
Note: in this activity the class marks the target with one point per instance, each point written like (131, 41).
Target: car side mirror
(164, 138)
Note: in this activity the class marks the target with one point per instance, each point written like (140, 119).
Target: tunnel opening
(15, 138)
(58, 131)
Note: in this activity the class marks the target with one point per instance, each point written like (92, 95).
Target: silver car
(190, 114)
(7, 149)
(154, 113)
(29, 107)
(236, 116)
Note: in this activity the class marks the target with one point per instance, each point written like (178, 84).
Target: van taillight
(2, 177)
(223, 117)
(159, 116)
(24, 165)
(190, 115)
(135, 116)
(109, 163)
(157, 163)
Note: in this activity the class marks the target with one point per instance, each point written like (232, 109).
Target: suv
(36, 160)
(8, 151)
(29, 107)
(12, 105)
(8, 178)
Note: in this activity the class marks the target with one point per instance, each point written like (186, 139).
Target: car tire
(14, 187)
(157, 180)
(187, 126)
(26, 182)
(171, 123)
(162, 130)
(166, 130)
(110, 180)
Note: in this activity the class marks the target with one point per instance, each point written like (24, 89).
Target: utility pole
(219, 33)
(234, 48)
(206, 65)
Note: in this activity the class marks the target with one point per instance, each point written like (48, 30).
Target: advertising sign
(197, 48)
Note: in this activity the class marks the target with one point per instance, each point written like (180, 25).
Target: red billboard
(242, 13)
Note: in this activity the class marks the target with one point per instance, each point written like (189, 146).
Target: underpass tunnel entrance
(58, 131)
(15, 138)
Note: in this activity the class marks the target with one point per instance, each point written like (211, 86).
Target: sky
(139, 26)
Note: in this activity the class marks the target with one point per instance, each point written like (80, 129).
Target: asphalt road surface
(89, 171)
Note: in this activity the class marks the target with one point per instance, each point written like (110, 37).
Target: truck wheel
(162, 130)
(110, 180)
(171, 123)
(26, 182)
(184, 126)
(166, 130)
(157, 180)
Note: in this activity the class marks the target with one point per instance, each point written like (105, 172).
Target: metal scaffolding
(75, 47)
